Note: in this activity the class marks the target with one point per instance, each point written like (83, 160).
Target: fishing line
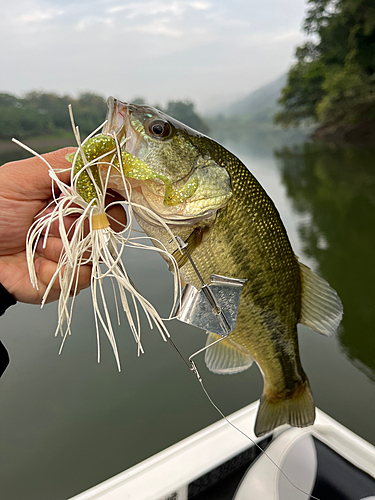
(251, 440)
(192, 367)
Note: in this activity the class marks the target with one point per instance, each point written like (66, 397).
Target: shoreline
(40, 144)
(362, 134)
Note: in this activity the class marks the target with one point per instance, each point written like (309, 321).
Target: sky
(210, 52)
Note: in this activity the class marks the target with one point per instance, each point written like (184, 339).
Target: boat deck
(218, 463)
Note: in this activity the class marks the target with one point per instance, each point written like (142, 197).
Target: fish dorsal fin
(193, 241)
(226, 357)
(321, 307)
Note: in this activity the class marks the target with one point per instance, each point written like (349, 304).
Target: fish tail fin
(297, 410)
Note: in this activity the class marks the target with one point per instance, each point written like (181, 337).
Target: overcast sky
(205, 50)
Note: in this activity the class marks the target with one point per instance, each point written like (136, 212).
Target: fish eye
(159, 129)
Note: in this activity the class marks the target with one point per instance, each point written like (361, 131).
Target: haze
(208, 52)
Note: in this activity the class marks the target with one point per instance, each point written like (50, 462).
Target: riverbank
(40, 144)
(362, 134)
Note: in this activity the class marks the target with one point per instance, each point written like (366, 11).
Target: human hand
(25, 190)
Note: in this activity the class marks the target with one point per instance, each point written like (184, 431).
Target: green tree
(184, 112)
(333, 81)
(21, 119)
(51, 105)
(138, 100)
(9, 100)
(43, 113)
(40, 113)
(89, 112)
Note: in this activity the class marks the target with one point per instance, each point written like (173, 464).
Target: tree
(184, 112)
(333, 81)
(51, 105)
(89, 111)
(40, 113)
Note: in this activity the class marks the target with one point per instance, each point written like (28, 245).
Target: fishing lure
(96, 159)
(131, 166)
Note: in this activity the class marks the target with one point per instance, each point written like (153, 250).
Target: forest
(40, 114)
(333, 81)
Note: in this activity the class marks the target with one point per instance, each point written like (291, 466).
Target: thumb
(32, 174)
(57, 160)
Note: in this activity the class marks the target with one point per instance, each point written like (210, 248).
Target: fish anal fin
(226, 357)
(297, 410)
(193, 241)
(321, 307)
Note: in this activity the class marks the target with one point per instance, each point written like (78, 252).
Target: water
(68, 423)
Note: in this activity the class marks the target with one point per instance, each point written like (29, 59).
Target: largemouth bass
(233, 229)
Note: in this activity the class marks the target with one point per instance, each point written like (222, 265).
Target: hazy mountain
(260, 104)
(250, 120)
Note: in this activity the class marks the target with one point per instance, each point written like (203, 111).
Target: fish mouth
(117, 118)
(118, 124)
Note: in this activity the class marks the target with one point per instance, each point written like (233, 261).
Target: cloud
(155, 18)
(87, 22)
(288, 35)
(195, 49)
(162, 27)
(153, 8)
(40, 16)
(200, 5)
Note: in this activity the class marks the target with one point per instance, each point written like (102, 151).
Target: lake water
(68, 423)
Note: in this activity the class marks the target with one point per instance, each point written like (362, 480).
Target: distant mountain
(251, 120)
(260, 104)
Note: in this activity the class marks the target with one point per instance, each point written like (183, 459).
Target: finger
(46, 269)
(57, 160)
(116, 213)
(117, 218)
(32, 173)
(69, 220)
(69, 226)
(52, 248)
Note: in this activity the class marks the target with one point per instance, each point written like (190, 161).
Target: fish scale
(259, 250)
(233, 229)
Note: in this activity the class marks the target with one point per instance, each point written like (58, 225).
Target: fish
(232, 228)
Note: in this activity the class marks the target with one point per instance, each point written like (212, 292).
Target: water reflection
(95, 422)
(335, 189)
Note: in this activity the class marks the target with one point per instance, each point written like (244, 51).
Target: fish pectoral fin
(321, 307)
(297, 409)
(193, 241)
(226, 357)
